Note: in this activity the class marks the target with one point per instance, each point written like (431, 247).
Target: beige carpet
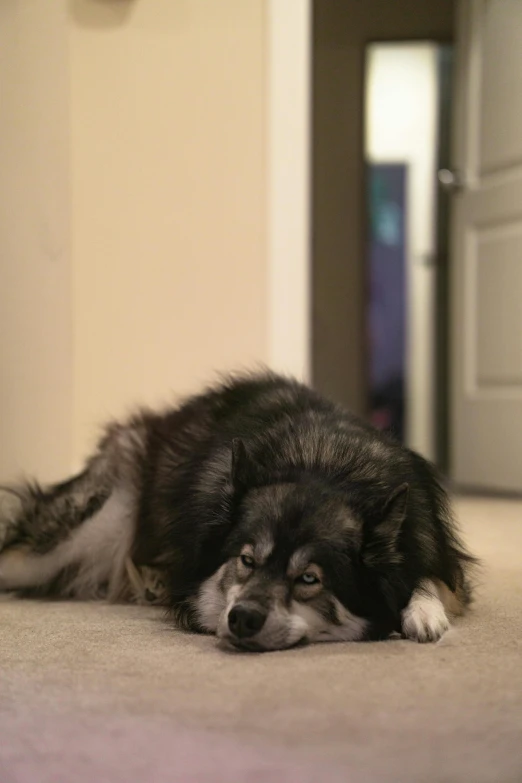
(104, 693)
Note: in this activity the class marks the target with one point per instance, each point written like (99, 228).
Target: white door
(486, 440)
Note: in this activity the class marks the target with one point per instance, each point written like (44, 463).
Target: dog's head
(302, 567)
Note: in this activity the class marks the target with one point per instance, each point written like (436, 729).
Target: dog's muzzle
(245, 620)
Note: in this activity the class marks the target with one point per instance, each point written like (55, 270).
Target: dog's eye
(308, 578)
(247, 561)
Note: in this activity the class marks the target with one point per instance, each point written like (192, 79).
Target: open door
(486, 439)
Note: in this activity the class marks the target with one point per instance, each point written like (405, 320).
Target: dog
(258, 511)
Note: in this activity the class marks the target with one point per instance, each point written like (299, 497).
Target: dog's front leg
(425, 619)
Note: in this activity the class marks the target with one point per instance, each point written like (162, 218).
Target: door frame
(443, 377)
(288, 130)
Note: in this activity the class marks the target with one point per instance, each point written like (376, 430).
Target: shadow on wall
(166, 15)
(102, 14)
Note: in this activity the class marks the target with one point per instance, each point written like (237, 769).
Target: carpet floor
(112, 693)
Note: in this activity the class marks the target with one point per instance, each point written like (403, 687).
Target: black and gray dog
(258, 511)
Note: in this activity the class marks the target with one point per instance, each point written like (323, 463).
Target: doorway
(405, 143)
(342, 32)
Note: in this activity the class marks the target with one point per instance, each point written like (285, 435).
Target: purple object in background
(387, 305)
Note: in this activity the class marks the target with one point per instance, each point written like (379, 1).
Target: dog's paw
(424, 619)
(6, 528)
(3, 533)
(10, 508)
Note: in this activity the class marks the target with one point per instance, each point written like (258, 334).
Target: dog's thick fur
(257, 510)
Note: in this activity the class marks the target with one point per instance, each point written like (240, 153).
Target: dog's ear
(394, 514)
(240, 465)
(382, 545)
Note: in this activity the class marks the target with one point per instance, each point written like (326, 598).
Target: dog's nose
(244, 621)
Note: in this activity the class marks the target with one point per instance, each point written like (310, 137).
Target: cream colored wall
(133, 212)
(168, 199)
(35, 302)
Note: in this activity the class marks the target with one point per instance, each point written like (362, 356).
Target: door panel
(499, 279)
(501, 29)
(487, 249)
